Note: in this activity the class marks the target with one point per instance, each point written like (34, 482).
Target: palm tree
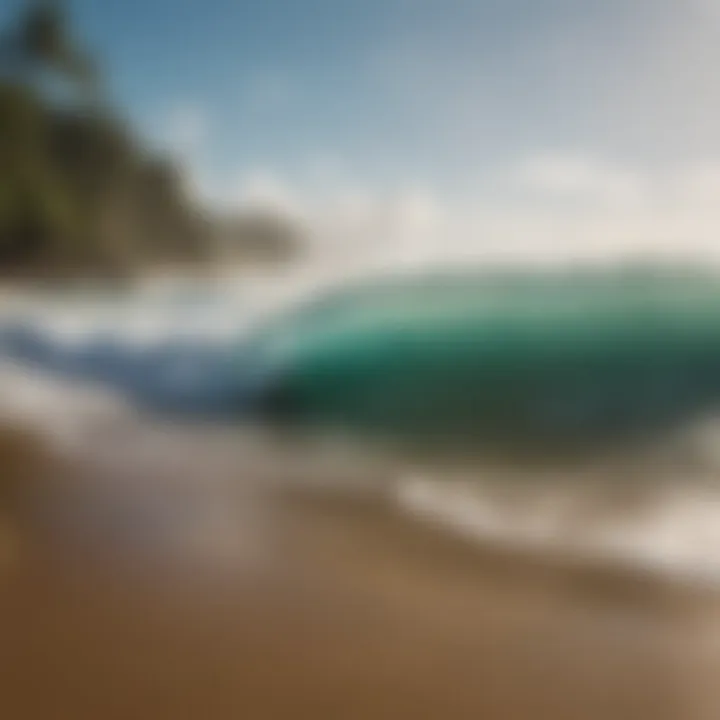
(41, 42)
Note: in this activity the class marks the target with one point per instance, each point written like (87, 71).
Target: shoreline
(339, 607)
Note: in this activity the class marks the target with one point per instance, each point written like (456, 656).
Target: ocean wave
(84, 368)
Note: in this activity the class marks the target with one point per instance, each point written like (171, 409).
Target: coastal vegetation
(80, 189)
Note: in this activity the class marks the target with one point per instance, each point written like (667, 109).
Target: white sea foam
(659, 511)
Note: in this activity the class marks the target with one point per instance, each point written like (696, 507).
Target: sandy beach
(340, 608)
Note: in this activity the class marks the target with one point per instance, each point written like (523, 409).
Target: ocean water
(150, 382)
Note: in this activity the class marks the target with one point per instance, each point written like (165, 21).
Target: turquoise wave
(474, 359)
(479, 359)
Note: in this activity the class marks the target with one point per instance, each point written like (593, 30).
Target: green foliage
(40, 44)
(77, 190)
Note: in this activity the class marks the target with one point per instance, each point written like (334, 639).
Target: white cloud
(580, 177)
(264, 189)
(184, 129)
(549, 208)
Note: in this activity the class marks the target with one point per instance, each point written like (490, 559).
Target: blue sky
(523, 117)
(398, 89)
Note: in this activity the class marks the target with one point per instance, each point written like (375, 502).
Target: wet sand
(340, 609)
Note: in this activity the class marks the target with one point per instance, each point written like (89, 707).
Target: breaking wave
(89, 365)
